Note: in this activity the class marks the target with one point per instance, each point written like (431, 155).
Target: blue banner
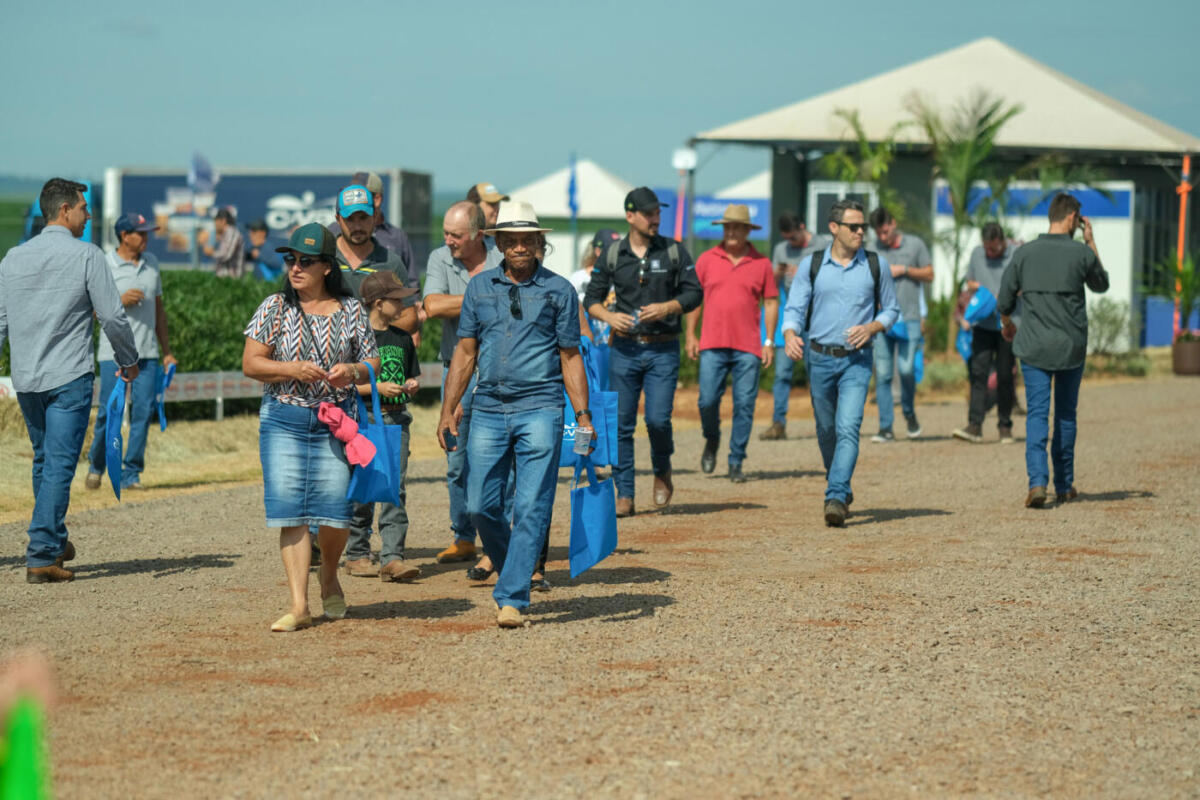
(706, 209)
(1036, 202)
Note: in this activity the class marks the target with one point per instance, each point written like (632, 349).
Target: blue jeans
(892, 355)
(499, 439)
(393, 519)
(1037, 402)
(457, 471)
(782, 388)
(839, 391)
(141, 409)
(634, 369)
(57, 421)
(715, 365)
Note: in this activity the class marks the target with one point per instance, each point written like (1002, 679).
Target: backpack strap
(873, 263)
(673, 255)
(814, 267)
(610, 255)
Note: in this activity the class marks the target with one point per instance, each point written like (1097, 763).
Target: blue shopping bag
(962, 343)
(378, 481)
(596, 356)
(981, 306)
(593, 519)
(899, 331)
(161, 397)
(114, 443)
(603, 405)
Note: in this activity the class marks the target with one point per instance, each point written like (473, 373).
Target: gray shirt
(229, 253)
(912, 252)
(49, 288)
(787, 253)
(445, 274)
(143, 275)
(989, 273)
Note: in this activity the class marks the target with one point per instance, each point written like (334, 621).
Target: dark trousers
(988, 349)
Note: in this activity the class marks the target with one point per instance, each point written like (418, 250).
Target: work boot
(1036, 497)
(774, 433)
(399, 570)
(735, 473)
(51, 574)
(835, 513)
(361, 568)
(92, 481)
(624, 506)
(461, 550)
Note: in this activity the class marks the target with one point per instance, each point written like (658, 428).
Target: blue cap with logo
(355, 197)
(133, 221)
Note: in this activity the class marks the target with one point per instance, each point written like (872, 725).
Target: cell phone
(450, 439)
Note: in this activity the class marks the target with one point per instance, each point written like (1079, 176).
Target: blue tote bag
(114, 443)
(603, 405)
(593, 519)
(378, 481)
(161, 397)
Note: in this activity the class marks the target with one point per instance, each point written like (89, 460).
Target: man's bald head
(462, 230)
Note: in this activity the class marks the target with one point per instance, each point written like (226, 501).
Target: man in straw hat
(736, 279)
(655, 283)
(519, 324)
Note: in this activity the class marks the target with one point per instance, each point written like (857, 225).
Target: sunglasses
(854, 227)
(514, 302)
(291, 259)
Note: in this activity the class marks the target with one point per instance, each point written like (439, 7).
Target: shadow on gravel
(613, 576)
(779, 474)
(160, 567)
(868, 516)
(1108, 497)
(614, 608)
(706, 508)
(12, 561)
(413, 609)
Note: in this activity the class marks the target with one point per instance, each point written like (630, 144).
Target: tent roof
(757, 185)
(1059, 113)
(600, 194)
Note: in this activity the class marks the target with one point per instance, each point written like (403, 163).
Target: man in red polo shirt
(736, 278)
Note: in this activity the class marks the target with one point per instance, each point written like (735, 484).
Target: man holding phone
(1049, 275)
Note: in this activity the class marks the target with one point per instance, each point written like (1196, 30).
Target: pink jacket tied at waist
(359, 450)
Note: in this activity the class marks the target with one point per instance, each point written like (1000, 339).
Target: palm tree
(866, 162)
(963, 140)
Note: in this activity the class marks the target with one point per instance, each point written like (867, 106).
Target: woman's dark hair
(335, 284)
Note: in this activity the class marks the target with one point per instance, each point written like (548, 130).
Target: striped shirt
(345, 336)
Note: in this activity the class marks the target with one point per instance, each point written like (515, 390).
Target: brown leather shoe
(1067, 496)
(51, 574)
(509, 617)
(663, 489)
(459, 551)
(68, 554)
(774, 433)
(361, 568)
(92, 481)
(399, 570)
(1036, 497)
(624, 506)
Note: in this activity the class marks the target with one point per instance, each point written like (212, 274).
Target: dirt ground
(947, 642)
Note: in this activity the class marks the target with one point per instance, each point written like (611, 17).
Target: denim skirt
(305, 472)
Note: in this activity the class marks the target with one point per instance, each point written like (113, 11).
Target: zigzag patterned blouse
(345, 336)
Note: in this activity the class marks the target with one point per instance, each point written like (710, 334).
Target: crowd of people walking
(349, 309)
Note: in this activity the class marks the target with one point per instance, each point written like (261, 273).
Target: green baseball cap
(312, 239)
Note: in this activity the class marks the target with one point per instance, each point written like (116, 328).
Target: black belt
(827, 350)
(655, 339)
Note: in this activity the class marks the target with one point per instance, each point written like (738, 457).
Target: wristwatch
(581, 411)
(355, 368)
(767, 342)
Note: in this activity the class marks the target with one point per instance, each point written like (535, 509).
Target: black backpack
(814, 267)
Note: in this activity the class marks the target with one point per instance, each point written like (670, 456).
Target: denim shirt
(518, 361)
(842, 298)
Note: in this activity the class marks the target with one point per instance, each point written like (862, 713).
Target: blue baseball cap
(355, 197)
(133, 221)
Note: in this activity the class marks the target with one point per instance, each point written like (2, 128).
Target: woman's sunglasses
(291, 259)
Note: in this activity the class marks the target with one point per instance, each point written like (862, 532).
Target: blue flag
(201, 175)
(161, 397)
(573, 192)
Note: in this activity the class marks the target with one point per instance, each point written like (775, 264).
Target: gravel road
(946, 642)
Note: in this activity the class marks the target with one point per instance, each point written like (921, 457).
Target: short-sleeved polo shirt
(143, 275)
(518, 358)
(445, 274)
(380, 259)
(732, 294)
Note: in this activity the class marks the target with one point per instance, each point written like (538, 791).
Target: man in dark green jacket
(1049, 274)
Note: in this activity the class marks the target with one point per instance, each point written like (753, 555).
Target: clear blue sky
(505, 91)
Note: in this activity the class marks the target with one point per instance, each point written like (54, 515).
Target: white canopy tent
(1058, 112)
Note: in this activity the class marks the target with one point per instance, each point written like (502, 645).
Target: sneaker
(461, 550)
(776, 432)
(509, 617)
(361, 568)
(399, 570)
(914, 427)
(884, 435)
(735, 473)
(1006, 436)
(835, 513)
(971, 434)
(708, 459)
(92, 481)
(1036, 497)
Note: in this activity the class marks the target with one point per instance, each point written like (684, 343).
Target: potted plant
(1181, 285)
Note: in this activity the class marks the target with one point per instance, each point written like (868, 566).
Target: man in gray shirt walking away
(1049, 274)
(49, 288)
